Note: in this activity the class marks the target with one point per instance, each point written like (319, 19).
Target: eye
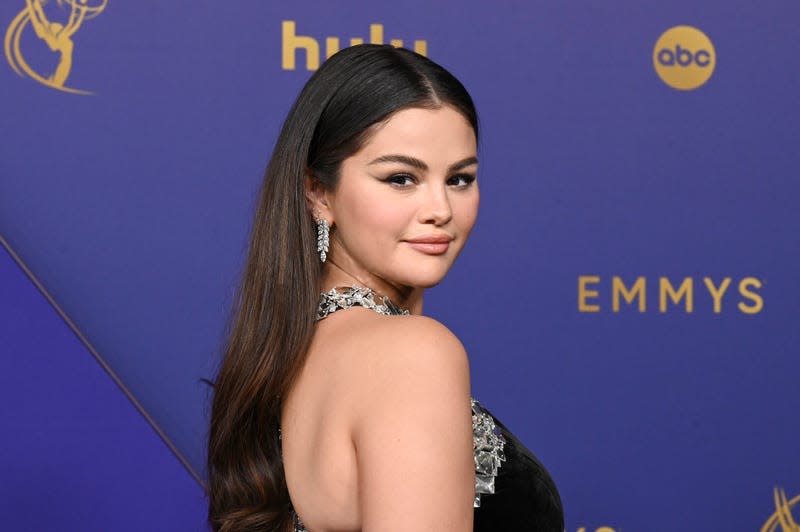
(461, 180)
(400, 180)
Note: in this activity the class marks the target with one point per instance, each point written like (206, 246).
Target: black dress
(525, 496)
(513, 490)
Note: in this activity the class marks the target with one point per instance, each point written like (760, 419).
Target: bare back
(338, 402)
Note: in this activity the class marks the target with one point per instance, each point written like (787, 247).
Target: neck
(407, 297)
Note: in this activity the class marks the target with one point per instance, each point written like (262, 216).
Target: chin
(428, 284)
(425, 279)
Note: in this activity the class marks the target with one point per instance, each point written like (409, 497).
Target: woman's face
(406, 202)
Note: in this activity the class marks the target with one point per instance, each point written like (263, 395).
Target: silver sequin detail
(333, 300)
(298, 524)
(487, 447)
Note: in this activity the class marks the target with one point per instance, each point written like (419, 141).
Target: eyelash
(466, 178)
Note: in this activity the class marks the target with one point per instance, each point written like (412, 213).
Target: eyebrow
(416, 163)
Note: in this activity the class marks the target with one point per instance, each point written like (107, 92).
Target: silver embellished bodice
(355, 296)
(487, 440)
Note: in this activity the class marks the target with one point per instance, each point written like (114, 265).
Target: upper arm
(413, 431)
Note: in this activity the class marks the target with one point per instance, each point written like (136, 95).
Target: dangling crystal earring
(323, 232)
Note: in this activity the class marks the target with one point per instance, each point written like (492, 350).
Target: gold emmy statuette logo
(782, 518)
(56, 35)
(684, 57)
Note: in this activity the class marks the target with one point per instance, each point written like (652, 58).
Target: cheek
(466, 211)
(393, 218)
(374, 216)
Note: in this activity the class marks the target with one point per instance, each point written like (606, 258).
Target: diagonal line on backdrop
(102, 362)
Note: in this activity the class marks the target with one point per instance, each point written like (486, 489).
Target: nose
(436, 208)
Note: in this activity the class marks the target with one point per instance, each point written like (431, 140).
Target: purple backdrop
(131, 207)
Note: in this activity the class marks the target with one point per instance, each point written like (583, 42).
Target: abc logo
(684, 57)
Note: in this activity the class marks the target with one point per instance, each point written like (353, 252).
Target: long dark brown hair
(274, 314)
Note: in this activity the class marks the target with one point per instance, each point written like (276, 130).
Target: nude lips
(430, 248)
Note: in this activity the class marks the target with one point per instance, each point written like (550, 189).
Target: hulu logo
(292, 42)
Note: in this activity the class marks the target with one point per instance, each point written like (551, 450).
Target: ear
(317, 199)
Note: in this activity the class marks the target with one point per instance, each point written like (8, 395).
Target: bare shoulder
(419, 332)
(409, 353)
(412, 426)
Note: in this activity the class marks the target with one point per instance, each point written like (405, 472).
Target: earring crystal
(323, 235)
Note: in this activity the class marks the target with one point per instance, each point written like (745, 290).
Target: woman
(338, 406)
